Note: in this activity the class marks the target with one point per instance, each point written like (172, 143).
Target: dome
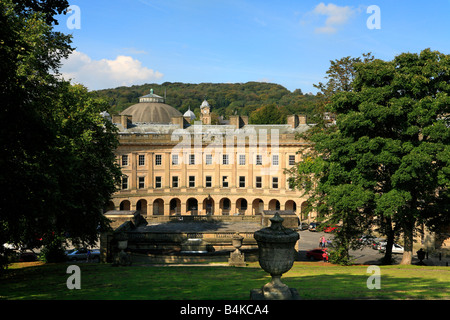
(189, 114)
(205, 104)
(151, 109)
(151, 112)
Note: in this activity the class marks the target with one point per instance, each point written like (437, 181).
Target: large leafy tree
(57, 161)
(387, 159)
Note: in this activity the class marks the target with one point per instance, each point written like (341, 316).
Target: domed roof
(189, 114)
(155, 111)
(205, 104)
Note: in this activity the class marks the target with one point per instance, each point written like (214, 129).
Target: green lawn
(313, 280)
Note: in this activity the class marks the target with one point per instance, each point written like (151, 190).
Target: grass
(313, 280)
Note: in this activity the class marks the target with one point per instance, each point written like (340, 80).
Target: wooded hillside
(225, 98)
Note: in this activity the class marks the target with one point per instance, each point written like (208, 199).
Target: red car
(330, 229)
(316, 254)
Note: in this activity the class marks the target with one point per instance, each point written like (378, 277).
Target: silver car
(396, 248)
(83, 254)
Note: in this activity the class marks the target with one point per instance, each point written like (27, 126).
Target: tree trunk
(389, 232)
(408, 245)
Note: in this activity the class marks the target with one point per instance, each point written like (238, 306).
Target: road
(310, 240)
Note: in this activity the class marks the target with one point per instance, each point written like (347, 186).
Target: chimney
(180, 121)
(238, 121)
(293, 121)
(302, 119)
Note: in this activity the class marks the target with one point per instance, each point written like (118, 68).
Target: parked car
(367, 239)
(303, 226)
(330, 228)
(316, 254)
(27, 256)
(82, 254)
(313, 226)
(396, 248)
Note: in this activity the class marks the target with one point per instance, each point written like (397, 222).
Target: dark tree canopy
(387, 159)
(58, 167)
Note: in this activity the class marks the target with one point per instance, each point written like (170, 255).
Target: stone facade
(182, 168)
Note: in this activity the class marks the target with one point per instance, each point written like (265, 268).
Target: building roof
(189, 114)
(151, 109)
(205, 104)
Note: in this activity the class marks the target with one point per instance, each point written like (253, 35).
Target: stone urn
(237, 257)
(276, 247)
(122, 258)
(236, 241)
(122, 244)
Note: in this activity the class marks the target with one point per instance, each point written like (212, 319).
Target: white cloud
(104, 73)
(336, 16)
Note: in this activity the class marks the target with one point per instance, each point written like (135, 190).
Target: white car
(396, 248)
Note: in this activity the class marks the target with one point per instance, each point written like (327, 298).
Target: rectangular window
(124, 182)
(141, 182)
(274, 182)
(242, 159)
(141, 160)
(258, 160)
(225, 159)
(291, 160)
(258, 182)
(275, 159)
(241, 181)
(192, 159)
(208, 182)
(191, 181)
(174, 181)
(158, 159)
(158, 182)
(175, 159)
(224, 182)
(208, 159)
(124, 160)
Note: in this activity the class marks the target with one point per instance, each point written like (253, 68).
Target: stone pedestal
(258, 294)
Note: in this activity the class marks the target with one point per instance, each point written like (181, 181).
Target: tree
(390, 145)
(269, 114)
(58, 167)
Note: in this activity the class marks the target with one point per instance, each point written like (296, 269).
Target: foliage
(387, 159)
(268, 114)
(58, 166)
(53, 250)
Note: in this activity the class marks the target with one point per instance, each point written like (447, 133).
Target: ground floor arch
(290, 205)
(257, 206)
(158, 207)
(125, 205)
(192, 206)
(141, 206)
(225, 206)
(174, 206)
(274, 204)
(241, 206)
(208, 205)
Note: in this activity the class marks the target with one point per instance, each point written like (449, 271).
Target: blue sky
(131, 42)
